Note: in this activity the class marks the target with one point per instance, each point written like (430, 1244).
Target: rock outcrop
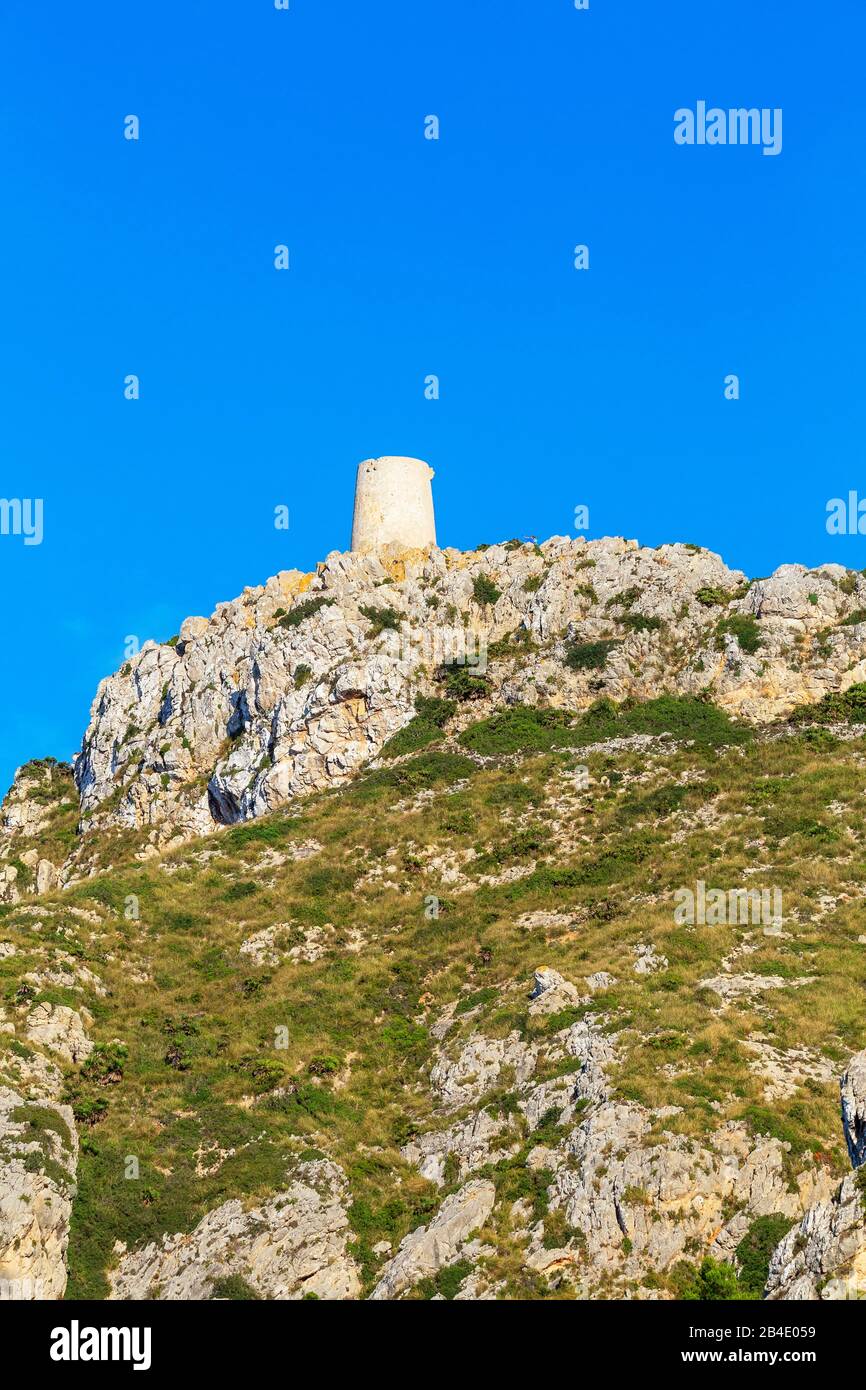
(38, 1157)
(824, 1257)
(291, 1246)
(61, 1030)
(853, 1087)
(41, 801)
(429, 1249)
(299, 682)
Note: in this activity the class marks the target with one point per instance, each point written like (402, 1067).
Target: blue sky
(408, 257)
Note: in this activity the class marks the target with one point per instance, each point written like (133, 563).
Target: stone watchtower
(393, 505)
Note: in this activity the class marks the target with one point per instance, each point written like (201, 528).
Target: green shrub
(711, 595)
(711, 1281)
(302, 611)
(381, 618)
(521, 728)
(262, 1073)
(756, 1248)
(105, 1063)
(524, 728)
(743, 627)
(474, 1001)
(431, 718)
(484, 590)
(588, 656)
(89, 1111)
(417, 774)
(641, 622)
(245, 888)
(847, 707)
(662, 802)
(270, 831)
(235, 1287)
(448, 1280)
(460, 683)
(625, 599)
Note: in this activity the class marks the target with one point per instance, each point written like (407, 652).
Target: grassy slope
(200, 1033)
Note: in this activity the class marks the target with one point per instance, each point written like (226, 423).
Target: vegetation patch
(381, 618)
(484, 591)
(302, 611)
(755, 1250)
(589, 656)
(461, 683)
(847, 707)
(432, 716)
(427, 770)
(743, 627)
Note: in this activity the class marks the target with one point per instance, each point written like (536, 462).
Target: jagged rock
(551, 993)
(293, 1244)
(853, 1087)
(475, 1070)
(660, 1197)
(38, 1155)
(824, 1257)
(468, 1143)
(24, 811)
(601, 979)
(648, 960)
(783, 1070)
(464, 1079)
(250, 709)
(284, 941)
(40, 789)
(8, 880)
(732, 987)
(47, 876)
(61, 1030)
(424, 1252)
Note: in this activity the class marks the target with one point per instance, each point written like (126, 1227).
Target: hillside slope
(444, 1028)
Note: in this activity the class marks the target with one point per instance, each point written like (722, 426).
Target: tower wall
(393, 505)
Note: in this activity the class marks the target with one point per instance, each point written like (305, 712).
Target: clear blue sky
(409, 257)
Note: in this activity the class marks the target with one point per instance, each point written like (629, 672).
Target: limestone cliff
(298, 683)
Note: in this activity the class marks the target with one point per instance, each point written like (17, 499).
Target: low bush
(743, 627)
(589, 656)
(302, 611)
(484, 591)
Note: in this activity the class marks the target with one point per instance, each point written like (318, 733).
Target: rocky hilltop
(349, 960)
(299, 683)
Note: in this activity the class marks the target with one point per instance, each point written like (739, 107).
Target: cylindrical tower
(393, 505)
